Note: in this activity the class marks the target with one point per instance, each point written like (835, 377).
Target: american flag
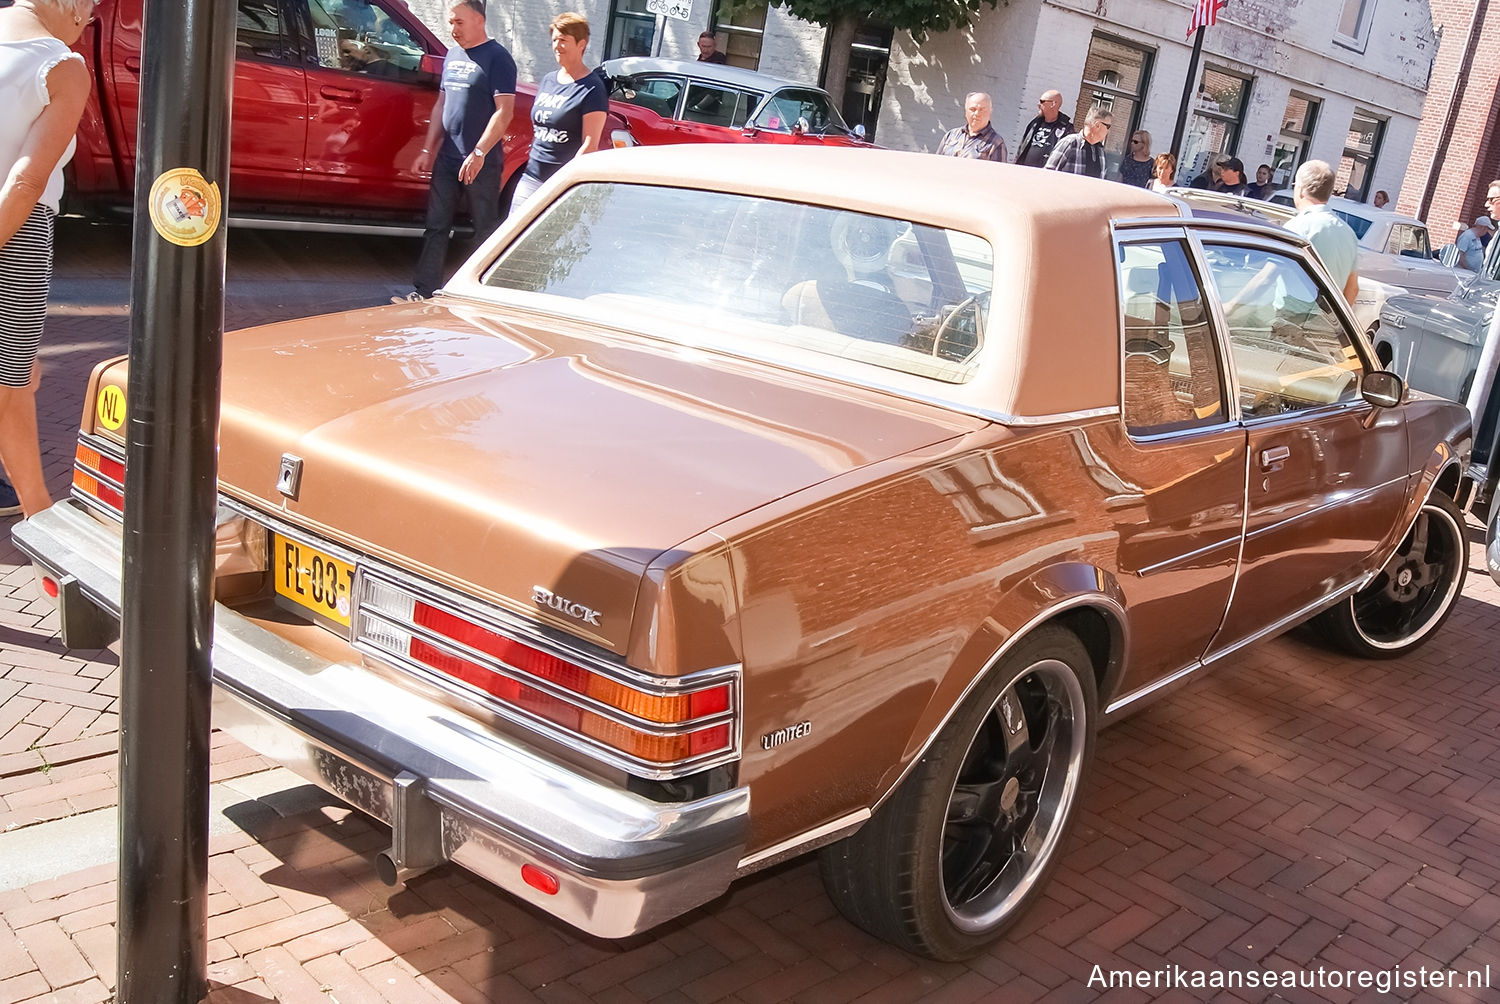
(1205, 14)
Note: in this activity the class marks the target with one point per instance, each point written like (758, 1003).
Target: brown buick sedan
(738, 502)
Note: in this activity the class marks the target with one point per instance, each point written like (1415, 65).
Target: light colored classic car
(1395, 257)
(1435, 343)
(670, 101)
(736, 502)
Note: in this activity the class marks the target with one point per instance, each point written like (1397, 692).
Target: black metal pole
(172, 413)
(1187, 97)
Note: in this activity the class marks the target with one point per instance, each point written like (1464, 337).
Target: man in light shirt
(1330, 236)
(1471, 244)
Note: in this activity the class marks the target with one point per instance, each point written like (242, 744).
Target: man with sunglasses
(1044, 132)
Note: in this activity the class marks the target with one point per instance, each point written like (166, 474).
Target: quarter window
(1291, 350)
(659, 94)
(1407, 239)
(1171, 365)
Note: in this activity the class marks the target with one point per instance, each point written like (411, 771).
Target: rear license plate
(312, 580)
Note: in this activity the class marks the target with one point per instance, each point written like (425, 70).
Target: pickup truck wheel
(966, 843)
(1410, 597)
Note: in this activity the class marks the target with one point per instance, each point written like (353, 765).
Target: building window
(740, 31)
(1218, 116)
(632, 30)
(1115, 77)
(1354, 23)
(1297, 124)
(1360, 150)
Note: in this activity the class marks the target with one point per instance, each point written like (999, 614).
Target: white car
(1395, 254)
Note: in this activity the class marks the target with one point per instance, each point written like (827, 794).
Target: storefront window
(1115, 76)
(632, 31)
(1297, 124)
(1218, 116)
(1360, 150)
(740, 31)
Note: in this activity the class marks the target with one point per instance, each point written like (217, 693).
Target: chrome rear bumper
(450, 789)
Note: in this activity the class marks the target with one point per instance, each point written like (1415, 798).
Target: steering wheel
(956, 342)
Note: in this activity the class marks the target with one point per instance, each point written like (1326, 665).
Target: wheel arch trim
(1106, 600)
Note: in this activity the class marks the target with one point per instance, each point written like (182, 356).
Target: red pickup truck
(331, 104)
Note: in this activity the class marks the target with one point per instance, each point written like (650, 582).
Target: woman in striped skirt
(43, 87)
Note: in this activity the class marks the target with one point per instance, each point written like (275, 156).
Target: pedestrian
(463, 149)
(1083, 152)
(1330, 236)
(1381, 199)
(1137, 167)
(1163, 172)
(1232, 178)
(976, 139)
(1044, 132)
(43, 88)
(1471, 244)
(1263, 188)
(1210, 176)
(708, 49)
(567, 117)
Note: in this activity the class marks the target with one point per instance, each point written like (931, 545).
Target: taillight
(99, 476)
(658, 727)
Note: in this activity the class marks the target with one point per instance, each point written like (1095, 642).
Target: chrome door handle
(1272, 459)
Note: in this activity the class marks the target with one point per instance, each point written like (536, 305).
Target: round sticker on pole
(184, 207)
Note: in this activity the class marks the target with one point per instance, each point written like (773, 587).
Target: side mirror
(1382, 389)
(859, 131)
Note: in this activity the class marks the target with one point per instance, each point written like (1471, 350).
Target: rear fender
(1062, 592)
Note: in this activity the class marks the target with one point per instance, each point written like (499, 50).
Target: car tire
(1407, 600)
(967, 841)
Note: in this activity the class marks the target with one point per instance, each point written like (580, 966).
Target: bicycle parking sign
(679, 9)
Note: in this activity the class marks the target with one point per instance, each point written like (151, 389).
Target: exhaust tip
(386, 870)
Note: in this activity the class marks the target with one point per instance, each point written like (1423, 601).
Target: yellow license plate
(309, 578)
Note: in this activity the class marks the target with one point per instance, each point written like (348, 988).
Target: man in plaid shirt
(975, 140)
(1083, 152)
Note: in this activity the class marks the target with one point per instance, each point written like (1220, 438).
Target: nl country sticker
(184, 207)
(111, 407)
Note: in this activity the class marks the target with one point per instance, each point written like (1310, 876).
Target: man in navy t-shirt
(463, 146)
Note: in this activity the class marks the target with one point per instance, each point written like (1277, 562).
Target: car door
(1328, 473)
(372, 79)
(1179, 510)
(269, 114)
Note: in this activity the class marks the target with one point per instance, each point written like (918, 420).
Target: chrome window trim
(1160, 232)
(1110, 672)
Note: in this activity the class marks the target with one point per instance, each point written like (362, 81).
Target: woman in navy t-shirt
(567, 116)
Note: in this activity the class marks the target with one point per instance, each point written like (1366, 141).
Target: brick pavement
(1293, 809)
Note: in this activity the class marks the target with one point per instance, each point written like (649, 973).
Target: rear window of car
(1358, 224)
(700, 265)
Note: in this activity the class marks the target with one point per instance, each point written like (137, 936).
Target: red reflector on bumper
(539, 880)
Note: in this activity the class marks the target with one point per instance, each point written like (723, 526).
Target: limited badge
(184, 207)
(111, 407)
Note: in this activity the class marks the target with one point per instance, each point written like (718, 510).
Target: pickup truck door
(1327, 478)
(269, 116)
(372, 79)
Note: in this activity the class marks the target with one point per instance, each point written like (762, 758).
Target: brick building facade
(1451, 166)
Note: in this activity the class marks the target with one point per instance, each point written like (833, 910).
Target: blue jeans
(442, 207)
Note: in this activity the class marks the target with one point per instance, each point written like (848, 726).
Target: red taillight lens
(662, 727)
(99, 476)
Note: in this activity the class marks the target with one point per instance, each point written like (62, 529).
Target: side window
(1408, 240)
(657, 94)
(1171, 365)
(359, 37)
(259, 33)
(781, 113)
(710, 105)
(1291, 350)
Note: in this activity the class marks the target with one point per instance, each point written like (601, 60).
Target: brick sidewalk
(1290, 810)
